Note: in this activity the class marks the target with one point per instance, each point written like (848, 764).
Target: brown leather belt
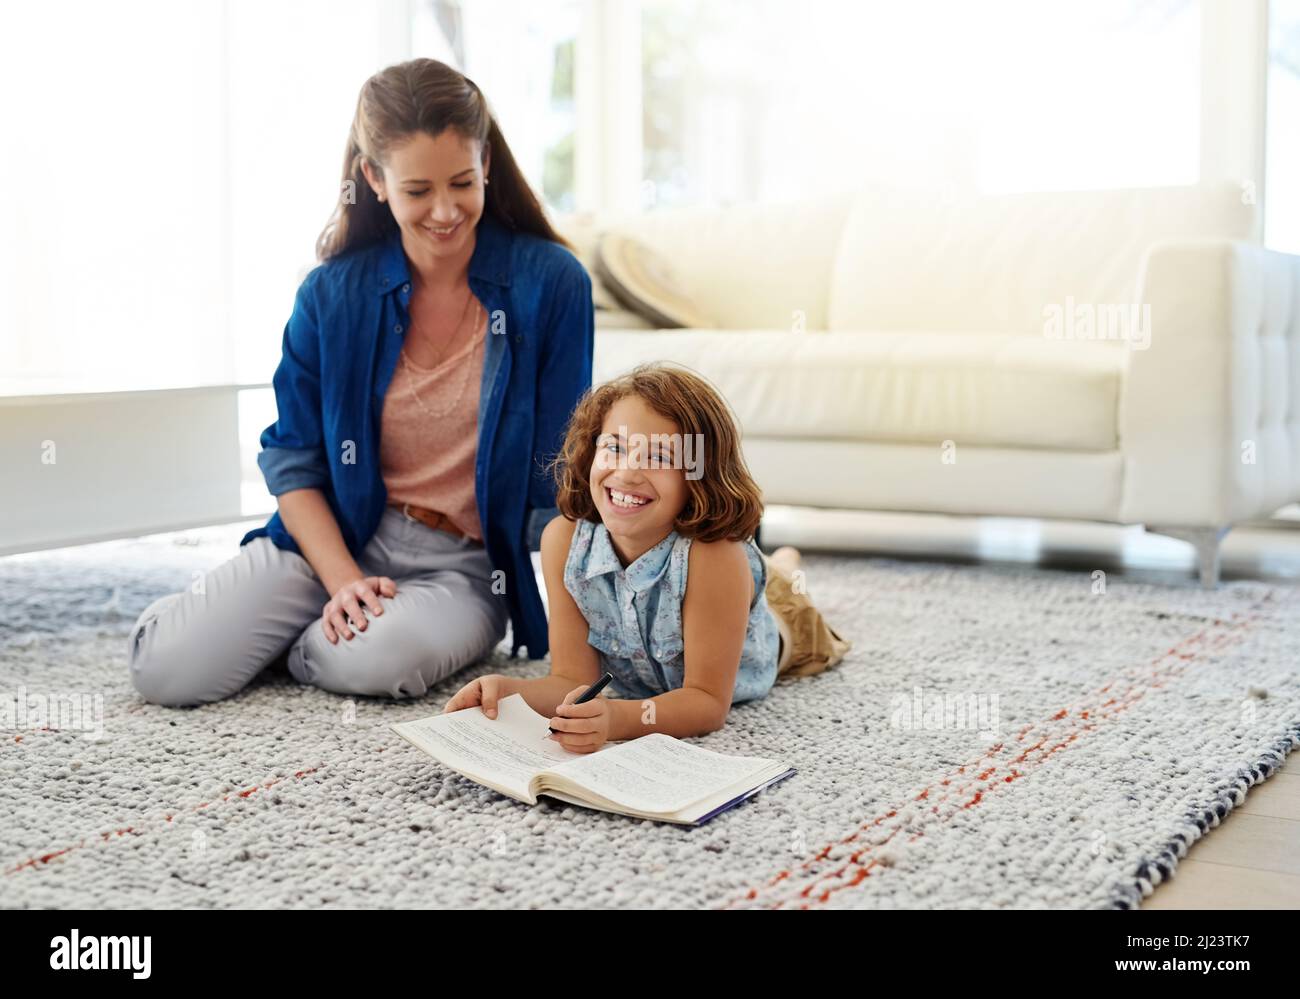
(432, 518)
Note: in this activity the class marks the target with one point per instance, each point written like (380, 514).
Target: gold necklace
(465, 370)
(460, 322)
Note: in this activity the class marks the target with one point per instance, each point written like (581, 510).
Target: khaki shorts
(808, 644)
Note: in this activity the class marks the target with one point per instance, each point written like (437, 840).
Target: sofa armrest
(1210, 409)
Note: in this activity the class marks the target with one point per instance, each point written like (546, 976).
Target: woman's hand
(485, 691)
(346, 604)
(581, 728)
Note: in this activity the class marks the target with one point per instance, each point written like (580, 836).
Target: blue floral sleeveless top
(634, 615)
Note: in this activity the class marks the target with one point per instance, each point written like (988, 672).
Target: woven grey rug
(997, 738)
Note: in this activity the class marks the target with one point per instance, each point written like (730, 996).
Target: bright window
(169, 167)
(521, 53)
(766, 100)
(1282, 132)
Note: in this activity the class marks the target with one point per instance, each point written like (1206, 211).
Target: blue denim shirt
(634, 615)
(340, 349)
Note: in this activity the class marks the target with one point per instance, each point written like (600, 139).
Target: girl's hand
(581, 728)
(485, 691)
(346, 604)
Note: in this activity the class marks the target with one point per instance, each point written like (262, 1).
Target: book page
(657, 773)
(509, 750)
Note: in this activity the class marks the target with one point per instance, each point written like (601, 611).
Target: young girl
(652, 573)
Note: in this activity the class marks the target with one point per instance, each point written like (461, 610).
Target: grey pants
(195, 647)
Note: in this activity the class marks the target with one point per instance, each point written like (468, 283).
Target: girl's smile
(626, 503)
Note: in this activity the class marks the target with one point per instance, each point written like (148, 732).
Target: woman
(429, 368)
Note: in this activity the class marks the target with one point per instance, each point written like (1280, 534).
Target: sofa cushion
(748, 266)
(911, 261)
(973, 389)
(643, 282)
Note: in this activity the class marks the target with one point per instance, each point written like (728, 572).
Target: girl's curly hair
(724, 503)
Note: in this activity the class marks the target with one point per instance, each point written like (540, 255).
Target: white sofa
(893, 351)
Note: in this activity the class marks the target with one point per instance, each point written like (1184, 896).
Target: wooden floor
(1252, 860)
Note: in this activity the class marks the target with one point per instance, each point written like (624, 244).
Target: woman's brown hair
(423, 95)
(724, 503)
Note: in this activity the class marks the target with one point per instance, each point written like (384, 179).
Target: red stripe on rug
(45, 858)
(1082, 717)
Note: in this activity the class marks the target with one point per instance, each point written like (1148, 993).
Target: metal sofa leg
(1206, 541)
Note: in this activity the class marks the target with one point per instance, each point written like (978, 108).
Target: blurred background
(171, 164)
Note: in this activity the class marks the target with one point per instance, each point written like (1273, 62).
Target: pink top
(428, 438)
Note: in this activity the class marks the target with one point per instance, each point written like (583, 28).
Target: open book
(653, 777)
